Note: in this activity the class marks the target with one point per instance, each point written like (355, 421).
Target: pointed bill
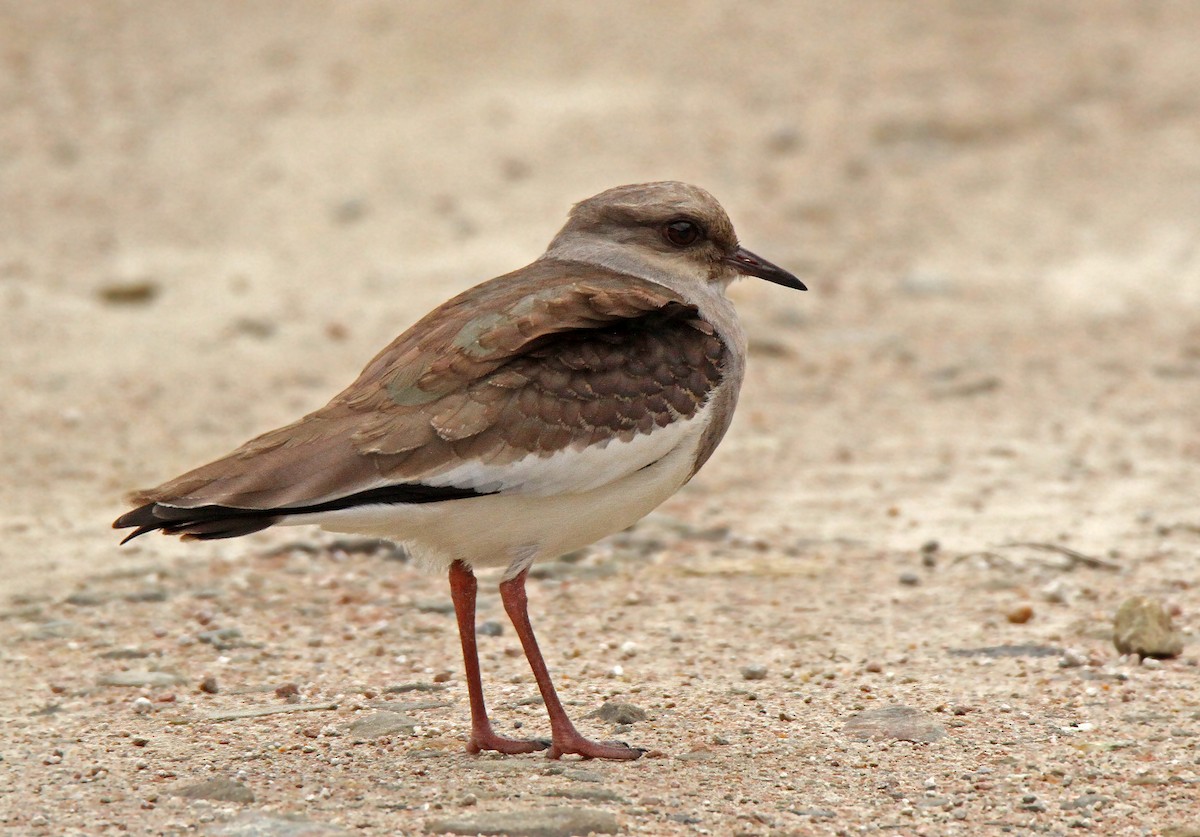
(748, 264)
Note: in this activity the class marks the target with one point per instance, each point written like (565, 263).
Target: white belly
(496, 530)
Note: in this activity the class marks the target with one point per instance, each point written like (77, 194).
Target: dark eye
(682, 233)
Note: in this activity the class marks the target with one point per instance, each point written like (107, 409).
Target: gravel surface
(887, 603)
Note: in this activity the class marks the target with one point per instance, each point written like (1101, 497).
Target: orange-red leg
(565, 738)
(483, 737)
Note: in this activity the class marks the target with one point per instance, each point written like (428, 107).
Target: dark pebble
(616, 712)
(349, 211)
(132, 292)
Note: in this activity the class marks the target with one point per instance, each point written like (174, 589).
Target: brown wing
(493, 375)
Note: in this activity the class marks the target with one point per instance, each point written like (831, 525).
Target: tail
(210, 522)
(202, 523)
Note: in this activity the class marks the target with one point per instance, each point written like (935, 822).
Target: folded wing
(586, 380)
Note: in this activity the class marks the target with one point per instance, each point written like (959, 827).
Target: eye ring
(682, 232)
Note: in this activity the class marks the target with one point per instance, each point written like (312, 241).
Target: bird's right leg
(462, 592)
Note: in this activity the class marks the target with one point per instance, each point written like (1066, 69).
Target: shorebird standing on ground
(525, 418)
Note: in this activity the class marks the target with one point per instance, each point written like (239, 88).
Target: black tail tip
(199, 523)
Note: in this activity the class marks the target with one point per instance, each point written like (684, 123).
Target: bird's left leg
(565, 738)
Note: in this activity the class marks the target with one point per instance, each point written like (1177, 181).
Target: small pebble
(754, 672)
(617, 712)
(1019, 615)
(489, 628)
(929, 551)
(1144, 628)
(209, 685)
(141, 706)
(1072, 659)
(910, 579)
(287, 690)
(349, 210)
(128, 292)
(1056, 592)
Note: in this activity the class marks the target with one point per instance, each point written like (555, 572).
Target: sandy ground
(212, 214)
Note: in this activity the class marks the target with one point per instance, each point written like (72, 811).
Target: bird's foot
(488, 740)
(586, 748)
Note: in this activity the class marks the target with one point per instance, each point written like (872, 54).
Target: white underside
(518, 527)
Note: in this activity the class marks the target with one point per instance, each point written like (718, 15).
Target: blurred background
(212, 214)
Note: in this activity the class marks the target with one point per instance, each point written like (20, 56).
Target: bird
(525, 418)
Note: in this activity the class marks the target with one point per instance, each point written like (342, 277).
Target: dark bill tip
(748, 264)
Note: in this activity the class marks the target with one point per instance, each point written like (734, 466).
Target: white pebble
(142, 705)
(628, 649)
(1057, 592)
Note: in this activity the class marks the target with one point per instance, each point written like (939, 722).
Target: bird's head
(662, 229)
